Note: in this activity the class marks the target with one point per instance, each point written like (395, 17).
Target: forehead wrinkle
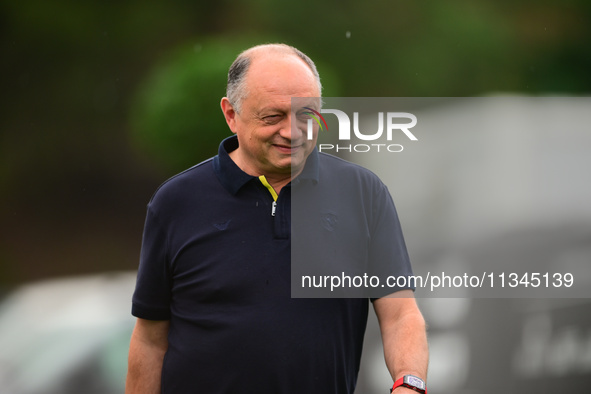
(274, 102)
(280, 90)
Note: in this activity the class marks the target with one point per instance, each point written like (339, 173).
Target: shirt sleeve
(151, 299)
(388, 256)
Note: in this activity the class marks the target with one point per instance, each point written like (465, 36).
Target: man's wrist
(403, 390)
(408, 384)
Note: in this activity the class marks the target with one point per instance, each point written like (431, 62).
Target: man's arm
(403, 335)
(149, 342)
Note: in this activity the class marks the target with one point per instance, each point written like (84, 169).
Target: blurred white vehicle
(67, 335)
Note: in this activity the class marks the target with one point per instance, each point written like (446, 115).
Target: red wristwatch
(411, 382)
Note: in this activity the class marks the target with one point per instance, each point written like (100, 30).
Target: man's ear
(229, 113)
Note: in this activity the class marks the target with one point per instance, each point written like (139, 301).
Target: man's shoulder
(332, 166)
(184, 183)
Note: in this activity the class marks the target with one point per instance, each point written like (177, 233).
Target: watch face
(414, 381)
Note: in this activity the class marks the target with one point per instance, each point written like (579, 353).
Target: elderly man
(213, 302)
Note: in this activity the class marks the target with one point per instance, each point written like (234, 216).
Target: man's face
(272, 139)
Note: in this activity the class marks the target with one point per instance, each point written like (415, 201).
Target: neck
(277, 181)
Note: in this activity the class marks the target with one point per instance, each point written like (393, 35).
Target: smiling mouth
(287, 148)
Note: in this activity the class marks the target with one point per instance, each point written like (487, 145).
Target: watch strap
(401, 382)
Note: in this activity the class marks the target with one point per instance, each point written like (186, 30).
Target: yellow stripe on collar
(269, 187)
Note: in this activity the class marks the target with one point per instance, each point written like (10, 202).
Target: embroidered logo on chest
(329, 221)
(222, 225)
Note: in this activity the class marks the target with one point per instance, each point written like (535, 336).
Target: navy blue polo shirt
(215, 261)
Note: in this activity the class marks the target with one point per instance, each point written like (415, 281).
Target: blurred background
(103, 101)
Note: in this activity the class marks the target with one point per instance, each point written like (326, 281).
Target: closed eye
(272, 119)
(302, 116)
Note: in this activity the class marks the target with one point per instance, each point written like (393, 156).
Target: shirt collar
(229, 174)
(233, 178)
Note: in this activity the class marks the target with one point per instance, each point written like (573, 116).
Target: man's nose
(291, 129)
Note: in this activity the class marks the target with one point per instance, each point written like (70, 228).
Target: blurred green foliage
(176, 116)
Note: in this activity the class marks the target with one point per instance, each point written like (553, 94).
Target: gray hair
(236, 88)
